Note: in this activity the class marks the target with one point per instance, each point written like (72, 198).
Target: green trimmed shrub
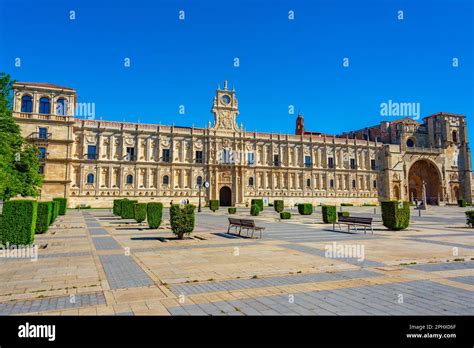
(258, 202)
(55, 211)
(305, 208)
(43, 216)
(254, 210)
(278, 205)
(182, 219)
(329, 213)
(214, 204)
(127, 210)
(395, 217)
(19, 222)
(117, 209)
(461, 203)
(470, 218)
(62, 205)
(347, 205)
(232, 210)
(285, 215)
(154, 213)
(139, 212)
(343, 214)
(1, 233)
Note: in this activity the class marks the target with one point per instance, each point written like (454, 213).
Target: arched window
(410, 143)
(251, 181)
(353, 184)
(331, 183)
(166, 180)
(61, 106)
(455, 136)
(375, 184)
(90, 178)
(308, 182)
(45, 106)
(26, 104)
(129, 179)
(199, 180)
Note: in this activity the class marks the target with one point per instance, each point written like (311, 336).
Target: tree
(19, 163)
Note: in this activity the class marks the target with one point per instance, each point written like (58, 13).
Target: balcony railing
(131, 158)
(419, 149)
(91, 156)
(39, 136)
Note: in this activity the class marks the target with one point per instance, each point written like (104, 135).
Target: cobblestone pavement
(93, 263)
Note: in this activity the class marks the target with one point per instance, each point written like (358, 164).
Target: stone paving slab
(52, 304)
(322, 253)
(436, 267)
(96, 231)
(464, 279)
(446, 243)
(105, 243)
(228, 285)
(123, 272)
(419, 298)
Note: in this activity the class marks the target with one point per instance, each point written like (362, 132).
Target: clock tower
(225, 109)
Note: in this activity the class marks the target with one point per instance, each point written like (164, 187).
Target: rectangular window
(41, 169)
(199, 158)
(225, 156)
(91, 152)
(250, 158)
(276, 160)
(330, 162)
(42, 154)
(372, 164)
(166, 155)
(43, 133)
(130, 154)
(353, 184)
(353, 163)
(375, 184)
(307, 161)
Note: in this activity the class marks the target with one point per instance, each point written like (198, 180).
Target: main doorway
(225, 196)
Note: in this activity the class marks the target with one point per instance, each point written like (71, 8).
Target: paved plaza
(93, 263)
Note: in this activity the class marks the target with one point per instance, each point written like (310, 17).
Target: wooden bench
(354, 221)
(244, 224)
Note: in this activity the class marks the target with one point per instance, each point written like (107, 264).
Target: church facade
(92, 162)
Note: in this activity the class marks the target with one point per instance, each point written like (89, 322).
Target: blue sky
(282, 62)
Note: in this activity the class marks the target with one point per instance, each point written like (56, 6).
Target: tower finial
(225, 85)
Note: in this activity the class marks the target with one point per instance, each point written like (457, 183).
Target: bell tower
(299, 125)
(225, 109)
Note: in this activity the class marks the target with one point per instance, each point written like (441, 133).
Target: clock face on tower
(225, 99)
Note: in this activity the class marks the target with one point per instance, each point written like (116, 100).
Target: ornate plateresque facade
(93, 162)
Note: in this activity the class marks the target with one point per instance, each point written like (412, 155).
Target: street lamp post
(200, 186)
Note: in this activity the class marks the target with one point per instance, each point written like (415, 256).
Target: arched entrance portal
(225, 196)
(424, 171)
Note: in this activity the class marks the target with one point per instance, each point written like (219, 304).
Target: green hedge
(55, 211)
(127, 210)
(461, 203)
(139, 212)
(343, 213)
(1, 233)
(470, 217)
(285, 215)
(117, 209)
(19, 222)
(254, 210)
(395, 217)
(62, 205)
(214, 204)
(258, 202)
(305, 208)
(154, 213)
(329, 213)
(278, 205)
(232, 210)
(182, 219)
(43, 216)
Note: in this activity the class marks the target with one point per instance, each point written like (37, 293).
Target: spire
(225, 85)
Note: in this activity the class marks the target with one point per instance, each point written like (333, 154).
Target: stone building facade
(92, 162)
